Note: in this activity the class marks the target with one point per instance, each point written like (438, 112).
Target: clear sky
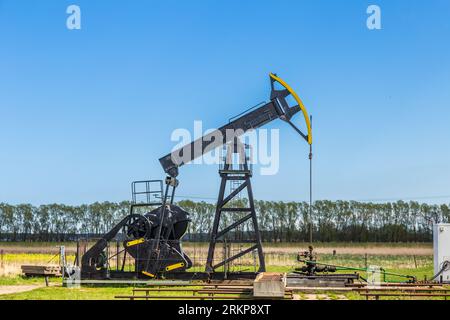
(85, 112)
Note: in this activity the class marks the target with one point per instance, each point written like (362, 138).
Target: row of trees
(278, 221)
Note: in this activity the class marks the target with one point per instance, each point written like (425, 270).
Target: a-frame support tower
(239, 174)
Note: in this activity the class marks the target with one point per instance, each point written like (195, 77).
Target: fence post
(365, 260)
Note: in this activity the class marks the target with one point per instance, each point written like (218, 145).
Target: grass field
(411, 259)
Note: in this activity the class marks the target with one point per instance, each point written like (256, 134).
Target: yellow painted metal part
(300, 103)
(135, 242)
(148, 274)
(175, 266)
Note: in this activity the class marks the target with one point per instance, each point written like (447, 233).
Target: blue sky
(85, 112)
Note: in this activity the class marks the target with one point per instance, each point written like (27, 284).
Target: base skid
(183, 276)
(321, 280)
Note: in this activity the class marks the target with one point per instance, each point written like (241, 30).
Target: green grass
(62, 293)
(57, 292)
(353, 296)
(21, 280)
(420, 267)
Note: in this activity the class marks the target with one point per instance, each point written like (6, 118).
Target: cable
(310, 190)
(445, 266)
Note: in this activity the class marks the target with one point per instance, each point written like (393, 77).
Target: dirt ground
(17, 289)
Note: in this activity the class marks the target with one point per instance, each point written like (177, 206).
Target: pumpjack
(154, 239)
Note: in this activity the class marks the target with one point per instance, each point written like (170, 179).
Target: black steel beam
(234, 193)
(238, 255)
(225, 134)
(234, 225)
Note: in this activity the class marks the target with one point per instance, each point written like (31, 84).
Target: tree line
(278, 221)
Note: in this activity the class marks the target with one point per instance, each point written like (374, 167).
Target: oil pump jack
(153, 239)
